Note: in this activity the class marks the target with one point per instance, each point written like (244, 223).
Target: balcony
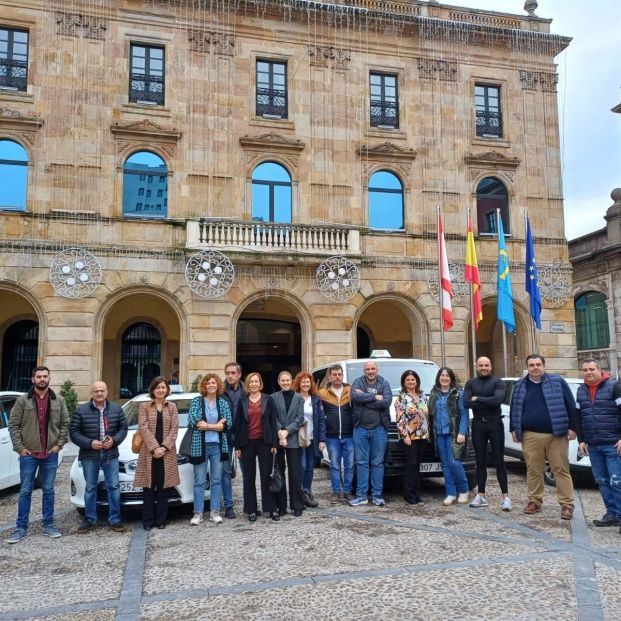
(272, 237)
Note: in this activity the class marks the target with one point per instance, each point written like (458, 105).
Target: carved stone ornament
(75, 273)
(531, 79)
(209, 273)
(338, 279)
(272, 141)
(431, 68)
(212, 41)
(458, 281)
(329, 56)
(78, 24)
(20, 121)
(386, 151)
(492, 159)
(145, 131)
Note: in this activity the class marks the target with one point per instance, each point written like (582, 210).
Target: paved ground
(336, 562)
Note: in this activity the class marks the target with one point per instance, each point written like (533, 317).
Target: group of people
(288, 430)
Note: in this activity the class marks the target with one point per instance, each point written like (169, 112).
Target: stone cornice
(386, 150)
(145, 129)
(492, 159)
(272, 140)
(21, 121)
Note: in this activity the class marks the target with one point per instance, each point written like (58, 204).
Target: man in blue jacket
(98, 427)
(371, 396)
(543, 420)
(599, 434)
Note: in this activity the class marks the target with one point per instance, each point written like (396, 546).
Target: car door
(513, 449)
(9, 470)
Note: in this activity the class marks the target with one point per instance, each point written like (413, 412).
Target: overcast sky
(589, 86)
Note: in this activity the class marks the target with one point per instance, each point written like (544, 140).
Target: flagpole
(473, 333)
(504, 328)
(533, 327)
(442, 345)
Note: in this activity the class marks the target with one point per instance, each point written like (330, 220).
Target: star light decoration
(209, 273)
(75, 273)
(338, 279)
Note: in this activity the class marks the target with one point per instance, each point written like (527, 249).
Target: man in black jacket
(98, 427)
(484, 395)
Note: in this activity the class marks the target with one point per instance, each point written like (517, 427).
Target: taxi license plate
(431, 467)
(127, 486)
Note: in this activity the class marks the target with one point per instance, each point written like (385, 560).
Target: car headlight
(130, 466)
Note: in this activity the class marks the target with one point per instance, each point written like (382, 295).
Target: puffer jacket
(85, 428)
(600, 418)
(338, 412)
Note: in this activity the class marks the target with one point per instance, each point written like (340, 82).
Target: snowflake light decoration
(338, 279)
(555, 284)
(75, 273)
(458, 281)
(209, 273)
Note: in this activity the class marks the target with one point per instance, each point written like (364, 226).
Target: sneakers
(51, 531)
(359, 500)
(17, 535)
(86, 527)
(478, 502)
(215, 517)
(197, 518)
(506, 504)
(567, 512)
(119, 527)
(532, 507)
(378, 501)
(449, 500)
(462, 499)
(606, 520)
(229, 513)
(348, 496)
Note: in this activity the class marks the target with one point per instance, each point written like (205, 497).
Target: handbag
(303, 440)
(136, 442)
(185, 448)
(277, 480)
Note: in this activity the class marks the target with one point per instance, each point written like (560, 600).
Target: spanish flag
(473, 277)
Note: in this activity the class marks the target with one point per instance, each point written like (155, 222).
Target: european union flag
(504, 309)
(532, 278)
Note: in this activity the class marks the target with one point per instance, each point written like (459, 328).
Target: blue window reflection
(13, 175)
(140, 169)
(271, 193)
(385, 201)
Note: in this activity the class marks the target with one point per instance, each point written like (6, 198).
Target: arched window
(140, 358)
(385, 201)
(271, 193)
(19, 354)
(492, 195)
(592, 321)
(13, 175)
(145, 186)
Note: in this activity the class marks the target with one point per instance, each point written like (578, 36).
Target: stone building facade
(286, 141)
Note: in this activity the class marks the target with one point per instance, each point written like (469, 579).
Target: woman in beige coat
(157, 469)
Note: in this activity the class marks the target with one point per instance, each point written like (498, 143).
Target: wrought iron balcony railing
(13, 74)
(489, 124)
(146, 88)
(272, 102)
(384, 114)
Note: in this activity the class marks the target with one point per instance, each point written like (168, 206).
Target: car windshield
(131, 409)
(391, 371)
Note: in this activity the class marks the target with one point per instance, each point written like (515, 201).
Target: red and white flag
(446, 291)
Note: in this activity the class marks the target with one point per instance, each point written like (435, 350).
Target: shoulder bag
(303, 440)
(136, 442)
(277, 480)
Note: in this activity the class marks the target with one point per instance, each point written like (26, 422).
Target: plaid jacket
(195, 415)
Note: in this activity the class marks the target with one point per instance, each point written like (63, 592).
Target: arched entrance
(141, 339)
(269, 340)
(19, 339)
(392, 324)
(489, 341)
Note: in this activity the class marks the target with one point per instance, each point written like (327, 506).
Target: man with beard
(39, 428)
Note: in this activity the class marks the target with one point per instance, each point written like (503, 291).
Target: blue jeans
(370, 448)
(227, 484)
(212, 460)
(341, 452)
(27, 472)
(90, 468)
(455, 479)
(606, 465)
(307, 466)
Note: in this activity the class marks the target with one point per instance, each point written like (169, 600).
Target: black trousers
(489, 430)
(257, 449)
(411, 475)
(155, 498)
(293, 479)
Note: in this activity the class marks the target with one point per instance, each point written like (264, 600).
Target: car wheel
(548, 475)
(472, 480)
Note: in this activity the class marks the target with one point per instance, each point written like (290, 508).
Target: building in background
(294, 154)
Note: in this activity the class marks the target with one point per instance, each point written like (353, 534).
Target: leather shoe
(161, 526)
(297, 513)
(532, 507)
(275, 517)
(567, 512)
(607, 520)
(252, 517)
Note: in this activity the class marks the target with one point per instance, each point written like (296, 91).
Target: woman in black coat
(256, 437)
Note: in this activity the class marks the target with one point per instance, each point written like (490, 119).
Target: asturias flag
(532, 278)
(503, 283)
(472, 276)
